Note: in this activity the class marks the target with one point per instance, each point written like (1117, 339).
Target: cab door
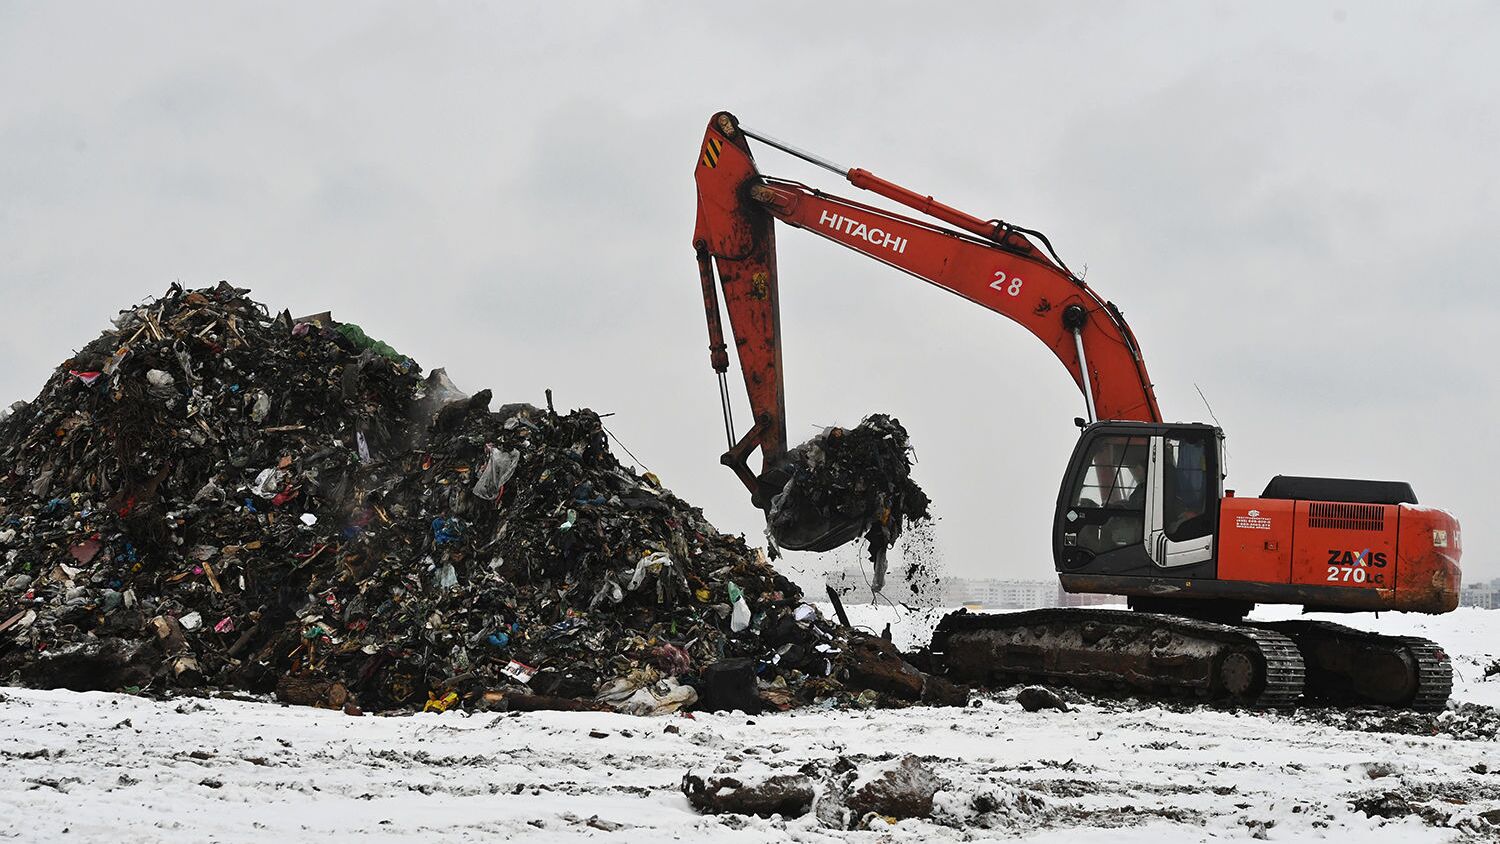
(1182, 494)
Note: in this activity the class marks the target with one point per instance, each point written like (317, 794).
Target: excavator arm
(992, 264)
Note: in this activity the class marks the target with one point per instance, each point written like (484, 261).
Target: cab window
(1188, 488)
(1108, 509)
(1114, 474)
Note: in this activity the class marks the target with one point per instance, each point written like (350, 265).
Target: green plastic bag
(360, 339)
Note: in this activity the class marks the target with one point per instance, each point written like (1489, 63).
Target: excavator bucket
(845, 483)
(802, 528)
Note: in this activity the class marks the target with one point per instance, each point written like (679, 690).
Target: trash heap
(857, 478)
(210, 495)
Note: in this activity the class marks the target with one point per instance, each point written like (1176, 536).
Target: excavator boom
(988, 262)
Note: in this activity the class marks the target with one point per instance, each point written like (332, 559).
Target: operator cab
(1141, 499)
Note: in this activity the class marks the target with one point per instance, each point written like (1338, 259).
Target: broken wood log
(312, 691)
(179, 656)
(873, 663)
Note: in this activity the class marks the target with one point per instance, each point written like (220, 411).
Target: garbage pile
(848, 482)
(211, 495)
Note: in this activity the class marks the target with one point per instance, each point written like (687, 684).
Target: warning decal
(711, 152)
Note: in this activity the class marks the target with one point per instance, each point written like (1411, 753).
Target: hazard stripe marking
(711, 152)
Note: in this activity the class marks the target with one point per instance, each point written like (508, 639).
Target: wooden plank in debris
(10, 622)
(315, 555)
(213, 579)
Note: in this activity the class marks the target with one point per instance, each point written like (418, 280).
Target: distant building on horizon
(1485, 596)
(980, 593)
(1007, 594)
(999, 594)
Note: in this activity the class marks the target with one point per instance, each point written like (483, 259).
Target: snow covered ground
(120, 768)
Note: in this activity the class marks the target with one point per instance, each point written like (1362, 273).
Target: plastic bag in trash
(661, 698)
(739, 620)
(498, 469)
(163, 385)
(652, 563)
(260, 405)
(269, 482)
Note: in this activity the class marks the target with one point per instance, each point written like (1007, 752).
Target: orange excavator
(1141, 512)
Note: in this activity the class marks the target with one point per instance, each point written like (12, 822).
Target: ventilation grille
(1322, 514)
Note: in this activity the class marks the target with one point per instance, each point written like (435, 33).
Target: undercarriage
(1257, 664)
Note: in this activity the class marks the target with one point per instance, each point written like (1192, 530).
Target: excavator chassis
(1263, 665)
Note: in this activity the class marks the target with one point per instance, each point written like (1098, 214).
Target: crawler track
(1142, 652)
(1347, 666)
(1260, 664)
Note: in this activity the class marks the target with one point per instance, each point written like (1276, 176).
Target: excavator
(1141, 512)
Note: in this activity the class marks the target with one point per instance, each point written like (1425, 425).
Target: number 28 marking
(1011, 289)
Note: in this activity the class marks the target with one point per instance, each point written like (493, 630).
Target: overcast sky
(1295, 205)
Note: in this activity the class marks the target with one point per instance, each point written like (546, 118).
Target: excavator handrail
(777, 181)
(994, 230)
